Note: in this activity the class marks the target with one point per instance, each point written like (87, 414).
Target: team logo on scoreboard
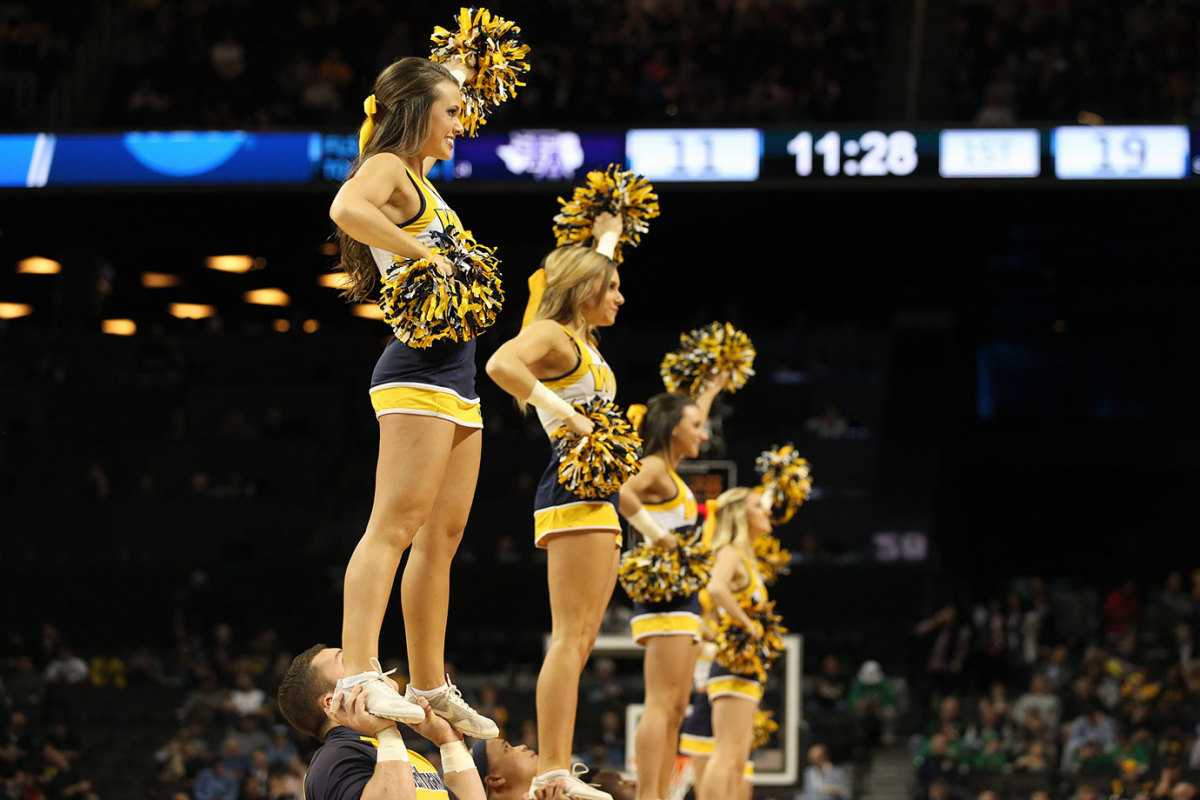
(543, 155)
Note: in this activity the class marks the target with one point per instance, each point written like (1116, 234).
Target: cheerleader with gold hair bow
(391, 219)
(657, 502)
(555, 365)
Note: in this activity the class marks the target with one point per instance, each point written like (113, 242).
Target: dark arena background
(961, 234)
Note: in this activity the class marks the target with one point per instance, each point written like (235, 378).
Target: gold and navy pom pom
(650, 574)
(786, 481)
(744, 655)
(773, 558)
(764, 726)
(490, 45)
(424, 306)
(704, 352)
(596, 465)
(615, 190)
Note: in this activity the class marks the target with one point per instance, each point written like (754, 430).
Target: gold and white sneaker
(573, 787)
(382, 698)
(450, 706)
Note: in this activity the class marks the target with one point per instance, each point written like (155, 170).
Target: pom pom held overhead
(704, 352)
(616, 191)
(491, 45)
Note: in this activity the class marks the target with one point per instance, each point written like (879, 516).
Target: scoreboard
(734, 157)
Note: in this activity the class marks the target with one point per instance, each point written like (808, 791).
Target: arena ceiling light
(334, 280)
(160, 280)
(231, 263)
(311, 326)
(119, 327)
(267, 297)
(366, 311)
(191, 310)
(14, 310)
(281, 326)
(37, 265)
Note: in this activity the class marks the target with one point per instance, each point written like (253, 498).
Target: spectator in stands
(215, 782)
(949, 645)
(66, 668)
(874, 703)
(246, 698)
(1041, 698)
(1057, 668)
(988, 726)
(234, 759)
(1033, 760)
(1086, 791)
(1095, 727)
(822, 779)
(830, 688)
(1122, 610)
(937, 762)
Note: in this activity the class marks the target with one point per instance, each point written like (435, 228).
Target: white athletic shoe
(572, 786)
(382, 698)
(450, 706)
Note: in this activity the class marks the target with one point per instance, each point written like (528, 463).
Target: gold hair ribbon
(711, 507)
(636, 414)
(368, 126)
(537, 287)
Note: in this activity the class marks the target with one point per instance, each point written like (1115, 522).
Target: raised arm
(517, 364)
(706, 398)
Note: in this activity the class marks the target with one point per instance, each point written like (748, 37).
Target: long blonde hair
(404, 95)
(571, 274)
(732, 526)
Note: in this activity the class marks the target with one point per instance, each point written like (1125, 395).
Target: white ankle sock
(428, 694)
(546, 777)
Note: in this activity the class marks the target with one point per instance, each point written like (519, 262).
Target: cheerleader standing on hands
(552, 363)
(673, 428)
(738, 591)
(425, 400)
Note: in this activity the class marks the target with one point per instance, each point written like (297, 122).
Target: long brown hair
(664, 411)
(404, 94)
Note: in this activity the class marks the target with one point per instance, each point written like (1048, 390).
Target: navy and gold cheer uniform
(438, 381)
(555, 509)
(680, 616)
(341, 767)
(722, 682)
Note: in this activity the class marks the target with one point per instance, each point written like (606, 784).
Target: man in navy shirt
(362, 756)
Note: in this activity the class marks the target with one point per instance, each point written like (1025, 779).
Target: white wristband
(459, 74)
(456, 757)
(541, 397)
(606, 245)
(391, 746)
(644, 524)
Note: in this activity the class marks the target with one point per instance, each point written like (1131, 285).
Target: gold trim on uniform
(733, 686)
(425, 401)
(581, 516)
(670, 623)
(692, 745)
